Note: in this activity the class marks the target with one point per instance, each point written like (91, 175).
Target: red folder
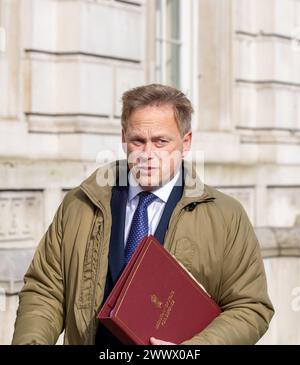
(156, 297)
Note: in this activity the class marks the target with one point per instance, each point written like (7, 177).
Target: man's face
(154, 145)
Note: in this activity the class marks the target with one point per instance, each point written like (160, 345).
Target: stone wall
(63, 69)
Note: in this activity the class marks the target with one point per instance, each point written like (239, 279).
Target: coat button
(191, 207)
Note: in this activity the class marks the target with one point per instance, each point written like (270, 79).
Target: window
(177, 45)
(168, 42)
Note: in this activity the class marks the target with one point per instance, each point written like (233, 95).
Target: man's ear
(124, 146)
(187, 142)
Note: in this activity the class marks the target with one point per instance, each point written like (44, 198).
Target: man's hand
(156, 341)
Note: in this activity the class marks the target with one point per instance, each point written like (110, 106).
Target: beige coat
(208, 232)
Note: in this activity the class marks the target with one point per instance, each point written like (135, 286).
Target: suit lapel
(116, 250)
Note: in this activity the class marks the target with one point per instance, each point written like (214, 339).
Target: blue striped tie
(139, 225)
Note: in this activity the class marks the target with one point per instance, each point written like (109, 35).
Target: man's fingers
(156, 341)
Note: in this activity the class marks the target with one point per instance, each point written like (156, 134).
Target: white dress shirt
(155, 209)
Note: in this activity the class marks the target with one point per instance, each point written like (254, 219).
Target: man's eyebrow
(135, 136)
(160, 136)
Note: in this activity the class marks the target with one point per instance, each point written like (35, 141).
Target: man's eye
(162, 141)
(137, 142)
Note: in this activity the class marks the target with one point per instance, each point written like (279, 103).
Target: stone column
(215, 64)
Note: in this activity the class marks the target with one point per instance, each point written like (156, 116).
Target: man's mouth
(146, 168)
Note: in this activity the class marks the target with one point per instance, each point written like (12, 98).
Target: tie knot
(146, 198)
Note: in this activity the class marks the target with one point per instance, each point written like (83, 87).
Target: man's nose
(148, 149)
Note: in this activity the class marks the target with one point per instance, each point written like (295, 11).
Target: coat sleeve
(41, 300)
(246, 307)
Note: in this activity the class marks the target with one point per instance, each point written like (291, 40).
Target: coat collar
(98, 187)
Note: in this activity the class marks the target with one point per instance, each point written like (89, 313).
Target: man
(99, 224)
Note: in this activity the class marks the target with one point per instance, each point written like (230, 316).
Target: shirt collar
(162, 193)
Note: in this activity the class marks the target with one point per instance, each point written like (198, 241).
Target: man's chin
(150, 178)
(149, 184)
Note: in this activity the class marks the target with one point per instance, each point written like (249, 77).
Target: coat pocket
(185, 251)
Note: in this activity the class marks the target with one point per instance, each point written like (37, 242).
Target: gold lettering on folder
(167, 308)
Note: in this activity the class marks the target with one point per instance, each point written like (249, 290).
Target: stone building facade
(63, 67)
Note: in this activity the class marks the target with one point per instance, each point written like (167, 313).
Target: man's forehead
(151, 131)
(152, 113)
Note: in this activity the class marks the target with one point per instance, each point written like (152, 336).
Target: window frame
(188, 53)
